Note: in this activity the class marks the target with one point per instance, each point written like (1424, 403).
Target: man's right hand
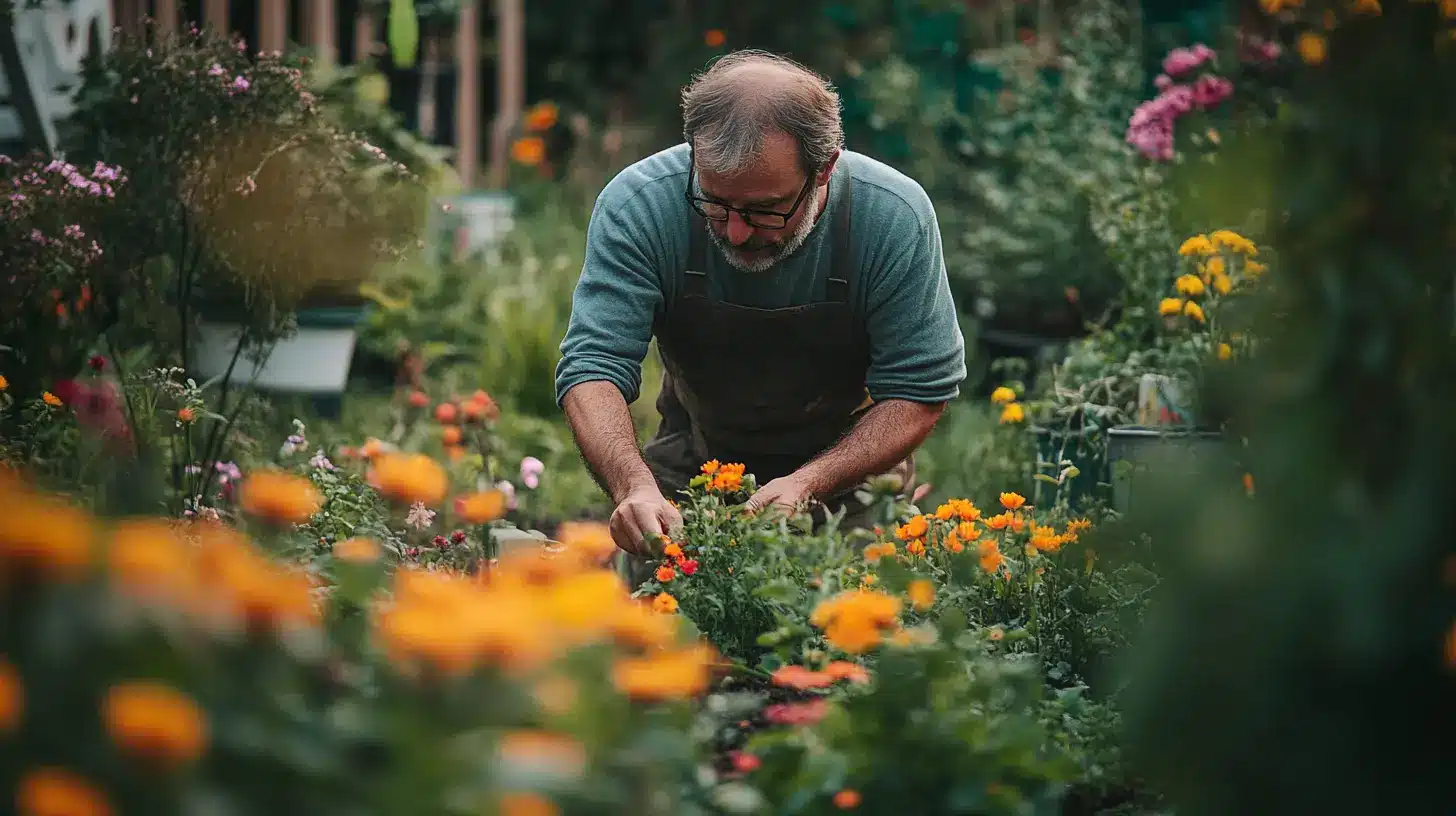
(643, 516)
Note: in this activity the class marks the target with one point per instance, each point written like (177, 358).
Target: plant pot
(314, 361)
(1139, 455)
(1085, 454)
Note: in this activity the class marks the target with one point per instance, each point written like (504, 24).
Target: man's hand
(643, 514)
(790, 493)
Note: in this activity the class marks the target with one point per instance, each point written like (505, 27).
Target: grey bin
(1136, 455)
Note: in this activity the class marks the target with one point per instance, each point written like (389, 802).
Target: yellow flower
(1225, 351)
(51, 399)
(922, 594)
(1223, 284)
(357, 551)
(664, 603)
(1189, 285)
(4, 383)
(1367, 6)
(43, 534)
(1197, 245)
(481, 507)
(1214, 267)
(1012, 413)
(58, 792)
(1194, 311)
(1312, 48)
(278, 497)
(1170, 306)
(12, 696)
(1233, 241)
(409, 478)
(155, 722)
(1003, 396)
(1254, 269)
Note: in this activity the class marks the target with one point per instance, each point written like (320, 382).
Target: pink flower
(1182, 60)
(1210, 90)
(531, 470)
(1163, 82)
(509, 491)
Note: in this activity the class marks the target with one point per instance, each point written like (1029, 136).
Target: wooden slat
(321, 18)
(166, 17)
(467, 92)
(215, 15)
(510, 84)
(272, 25)
(363, 36)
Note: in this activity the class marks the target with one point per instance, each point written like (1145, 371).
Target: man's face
(772, 184)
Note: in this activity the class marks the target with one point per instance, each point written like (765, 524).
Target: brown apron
(771, 388)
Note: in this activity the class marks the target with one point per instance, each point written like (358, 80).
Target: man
(797, 292)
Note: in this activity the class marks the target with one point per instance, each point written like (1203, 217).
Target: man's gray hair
(731, 107)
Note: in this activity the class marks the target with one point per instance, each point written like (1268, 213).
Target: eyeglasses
(758, 219)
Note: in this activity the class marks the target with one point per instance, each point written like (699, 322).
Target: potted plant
(257, 215)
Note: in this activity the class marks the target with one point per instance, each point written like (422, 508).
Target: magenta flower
(531, 470)
(1182, 60)
(1210, 90)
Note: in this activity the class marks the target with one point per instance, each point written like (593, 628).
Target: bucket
(1140, 455)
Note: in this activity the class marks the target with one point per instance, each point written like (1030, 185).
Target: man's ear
(827, 170)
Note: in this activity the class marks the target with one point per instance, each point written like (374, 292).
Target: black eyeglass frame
(747, 213)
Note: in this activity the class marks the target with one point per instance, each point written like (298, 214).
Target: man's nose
(737, 230)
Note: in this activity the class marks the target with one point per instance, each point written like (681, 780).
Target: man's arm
(882, 437)
(602, 425)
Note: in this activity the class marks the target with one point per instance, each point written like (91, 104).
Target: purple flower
(239, 85)
(215, 70)
(531, 470)
(509, 491)
(320, 461)
(1182, 60)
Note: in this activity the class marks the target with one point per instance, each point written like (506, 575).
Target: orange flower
(43, 533)
(915, 527)
(999, 522)
(280, 498)
(155, 722)
(481, 507)
(528, 150)
(664, 675)
(845, 670)
(991, 561)
(725, 478)
(57, 792)
(1012, 501)
(710, 467)
(526, 803)
(12, 697)
(665, 574)
(714, 38)
(186, 415)
(915, 547)
(450, 435)
(1451, 647)
(664, 603)
(591, 539)
(672, 551)
(445, 413)
(799, 677)
(847, 799)
(542, 116)
(922, 594)
(409, 478)
(357, 551)
(51, 399)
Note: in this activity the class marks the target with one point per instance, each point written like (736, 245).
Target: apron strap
(842, 269)
(695, 276)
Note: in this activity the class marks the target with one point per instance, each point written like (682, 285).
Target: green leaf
(404, 32)
(1042, 477)
(952, 623)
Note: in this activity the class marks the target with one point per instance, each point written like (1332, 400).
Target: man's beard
(776, 252)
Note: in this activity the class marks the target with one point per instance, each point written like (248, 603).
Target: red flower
(806, 713)
(744, 762)
(688, 566)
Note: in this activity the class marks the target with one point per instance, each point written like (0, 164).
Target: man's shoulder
(657, 179)
(882, 192)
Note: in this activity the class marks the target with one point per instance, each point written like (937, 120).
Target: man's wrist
(640, 483)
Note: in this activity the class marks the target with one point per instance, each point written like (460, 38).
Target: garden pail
(313, 361)
(1138, 454)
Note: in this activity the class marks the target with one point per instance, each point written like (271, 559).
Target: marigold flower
(357, 551)
(1197, 245)
(921, 593)
(1224, 351)
(526, 803)
(43, 533)
(186, 415)
(915, 546)
(155, 722)
(845, 670)
(847, 799)
(58, 792)
(529, 150)
(800, 677)
(1194, 311)
(409, 478)
(1003, 395)
(1254, 269)
(1013, 414)
(590, 539)
(665, 574)
(541, 116)
(726, 478)
(855, 620)
(278, 497)
(1233, 241)
(714, 38)
(672, 550)
(4, 383)
(445, 413)
(418, 399)
(450, 435)
(150, 561)
(664, 675)
(1313, 48)
(1170, 306)
(1012, 501)
(992, 560)
(12, 696)
(480, 507)
(664, 603)
(914, 527)
(710, 467)
(1189, 285)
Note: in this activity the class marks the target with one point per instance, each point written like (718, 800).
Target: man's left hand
(789, 493)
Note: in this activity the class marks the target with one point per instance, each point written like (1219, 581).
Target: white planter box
(312, 361)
